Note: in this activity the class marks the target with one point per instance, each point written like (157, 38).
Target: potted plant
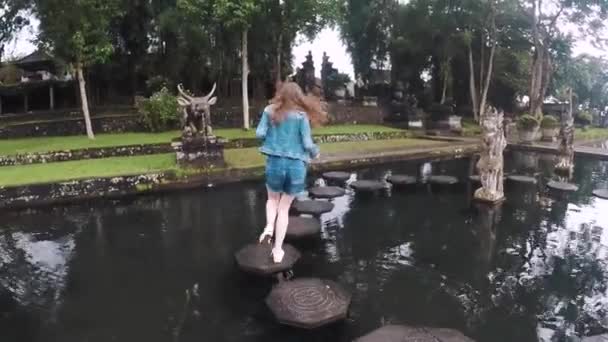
(527, 126)
(585, 119)
(550, 127)
(336, 84)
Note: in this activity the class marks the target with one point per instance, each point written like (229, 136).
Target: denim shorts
(285, 175)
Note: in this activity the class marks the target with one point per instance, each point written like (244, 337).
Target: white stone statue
(491, 163)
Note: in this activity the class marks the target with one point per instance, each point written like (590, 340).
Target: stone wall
(227, 116)
(78, 190)
(64, 127)
(91, 153)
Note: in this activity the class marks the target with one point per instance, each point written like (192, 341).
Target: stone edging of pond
(578, 150)
(147, 149)
(36, 195)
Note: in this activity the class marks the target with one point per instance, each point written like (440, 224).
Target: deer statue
(197, 111)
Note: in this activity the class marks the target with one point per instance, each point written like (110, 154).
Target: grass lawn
(236, 158)
(591, 133)
(33, 145)
(470, 127)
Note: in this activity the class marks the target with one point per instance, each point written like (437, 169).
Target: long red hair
(290, 97)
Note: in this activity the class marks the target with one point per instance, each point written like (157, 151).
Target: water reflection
(531, 270)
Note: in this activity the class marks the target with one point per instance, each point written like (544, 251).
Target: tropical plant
(527, 122)
(77, 31)
(160, 112)
(584, 118)
(549, 121)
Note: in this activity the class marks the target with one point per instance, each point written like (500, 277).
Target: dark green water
(119, 271)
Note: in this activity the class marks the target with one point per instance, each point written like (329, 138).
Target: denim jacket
(290, 138)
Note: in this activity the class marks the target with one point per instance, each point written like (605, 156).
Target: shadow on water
(162, 268)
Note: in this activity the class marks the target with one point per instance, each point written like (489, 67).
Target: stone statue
(198, 147)
(491, 162)
(197, 112)
(565, 165)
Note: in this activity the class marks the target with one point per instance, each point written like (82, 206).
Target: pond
(120, 270)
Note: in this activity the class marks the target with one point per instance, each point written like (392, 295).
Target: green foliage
(78, 30)
(161, 111)
(549, 121)
(527, 122)
(584, 118)
(237, 13)
(10, 74)
(337, 81)
(12, 19)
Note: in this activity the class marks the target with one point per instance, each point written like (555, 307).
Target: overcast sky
(327, 41)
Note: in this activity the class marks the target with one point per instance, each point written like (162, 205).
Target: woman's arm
(262, 129)
(309, 145)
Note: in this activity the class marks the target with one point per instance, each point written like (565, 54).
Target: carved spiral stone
(308, 303)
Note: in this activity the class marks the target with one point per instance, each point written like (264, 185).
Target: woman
(288, 147)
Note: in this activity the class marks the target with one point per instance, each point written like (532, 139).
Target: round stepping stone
(337, 176)
(601, 193)
(327, 192)
(402, 180)
(300, 227)
(477, 178)
(315, 208)
(522, 179)
(561, 186)
(255, 258)
(308, 303)
(443, 180)
(367, 185)
(402, 333)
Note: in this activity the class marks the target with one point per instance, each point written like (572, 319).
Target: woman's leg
(281, 226)
(272, 207)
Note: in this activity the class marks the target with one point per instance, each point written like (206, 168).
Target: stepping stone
(402, 333)
(315, 208)
(561, 186)
(443, 180)
(327, 192)
(301, 227)
(337, 176)
(368, 185)
(477, 178)
(308, 303)
(402, 180)
(522, 179)
(601, 193)
(256, 259)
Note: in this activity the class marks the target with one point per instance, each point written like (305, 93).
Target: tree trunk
(245, 75)
(278, 76)
(472, 87)
(84, 101)
(486, 85)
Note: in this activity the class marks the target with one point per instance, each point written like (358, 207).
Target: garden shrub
(527, 122)
(161, 111)
(584, 118)
(549, 121)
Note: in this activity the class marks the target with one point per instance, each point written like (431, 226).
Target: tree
(77, 31)
(239, 14)
(366, 30)
(489, 39)
(290, 17)
(11, 20)
(546, 17)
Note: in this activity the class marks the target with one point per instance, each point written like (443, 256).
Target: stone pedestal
(200, 152)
